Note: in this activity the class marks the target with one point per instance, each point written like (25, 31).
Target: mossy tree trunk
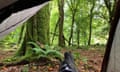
(43, 19)
(37, 30)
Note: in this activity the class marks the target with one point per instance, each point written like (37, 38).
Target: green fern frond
(54, 53)
(34, 44)
(39, 51)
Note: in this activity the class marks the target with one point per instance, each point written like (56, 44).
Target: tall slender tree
(73, 5)
(110, 5)
(61, 22)
(91, 20)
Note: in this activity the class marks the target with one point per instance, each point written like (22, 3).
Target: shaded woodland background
(81, 26)
(74, 22)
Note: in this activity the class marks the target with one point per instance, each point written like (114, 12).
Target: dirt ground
(88, 61)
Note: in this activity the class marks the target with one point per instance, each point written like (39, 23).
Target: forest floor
(87, 60)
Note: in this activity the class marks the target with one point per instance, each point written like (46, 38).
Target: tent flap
(5, 3)
(17, 17)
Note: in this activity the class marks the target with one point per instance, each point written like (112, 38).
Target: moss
(37, 30)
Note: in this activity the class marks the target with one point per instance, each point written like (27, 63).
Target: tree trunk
(43, 25)
(110, 9)
(78, 38)
(61, 22)
(72, 26)
(91, 17)
(21, 34)
(112, 47)
(37, 30)
(73, 5)
(54, 33)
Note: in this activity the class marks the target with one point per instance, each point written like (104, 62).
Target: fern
(38, 50)
(34, 44)
(53, 53)
(48, 53)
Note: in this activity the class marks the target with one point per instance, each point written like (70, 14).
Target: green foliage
(84, 59)
(26, 68)
(76, 56)
(45, 52)
(12, 37)
(36, 53)
(100, 26)
(10, 59)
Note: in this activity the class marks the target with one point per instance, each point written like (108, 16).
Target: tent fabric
(114, 60)
(109, 46)
(5, 3)
(17, 16)
(16, 6)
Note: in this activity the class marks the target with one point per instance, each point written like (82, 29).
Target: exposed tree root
(14, 63)
(24, 61)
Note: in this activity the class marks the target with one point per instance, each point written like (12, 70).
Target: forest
(80, 27)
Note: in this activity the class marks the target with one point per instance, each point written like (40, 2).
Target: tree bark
(37, 30)
(110, 8)
(72, 26)
(78, 38)
(43, 25)
(91, 17)
(73, 5)
(61, 22)
(56, 26)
